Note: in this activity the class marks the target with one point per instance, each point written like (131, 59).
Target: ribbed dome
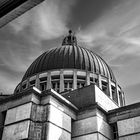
(68, 68)
(69, 57)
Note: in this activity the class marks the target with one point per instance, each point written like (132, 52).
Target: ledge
(11, 9)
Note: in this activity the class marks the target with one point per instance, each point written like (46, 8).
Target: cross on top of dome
(70, 39)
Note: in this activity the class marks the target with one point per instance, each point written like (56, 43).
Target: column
(109, 88)
(93, 78)
(87, 78)
(99, 81)
(117, 92)
(75, 79)
(61, 80)
(49, 80)
(28, 83)
(123, 97)
(37, 82)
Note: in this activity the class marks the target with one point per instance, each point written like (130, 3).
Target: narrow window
(43, 83)
(96, 82)
(120, 98)
(32, 83)
(91, 80)
(24, 86)
(114, 94)
(115, 131)
(105, 87)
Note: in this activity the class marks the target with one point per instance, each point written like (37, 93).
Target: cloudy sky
(111, 28)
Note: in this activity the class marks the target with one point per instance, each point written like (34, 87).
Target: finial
(70, 32)
(70, 39)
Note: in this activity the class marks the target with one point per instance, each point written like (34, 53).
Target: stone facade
(35, 115)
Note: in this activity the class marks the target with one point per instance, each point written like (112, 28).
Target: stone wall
(129, 128)
(91, 124)
(40, 118)
(17, 122)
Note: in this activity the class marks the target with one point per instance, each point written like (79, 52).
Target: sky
(111, 28)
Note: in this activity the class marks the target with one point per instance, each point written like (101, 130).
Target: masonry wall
(41, 118)
(129, 129)
(49, 122)
(127, 120)
(91, 124)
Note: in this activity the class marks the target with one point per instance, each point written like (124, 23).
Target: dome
(70, 57)
(70, 67)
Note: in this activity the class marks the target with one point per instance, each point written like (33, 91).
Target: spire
(70, 39)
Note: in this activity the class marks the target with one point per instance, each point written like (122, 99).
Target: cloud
(46, 21)
(16, 56)
(117, 31)
(115, 35)
(7, 83)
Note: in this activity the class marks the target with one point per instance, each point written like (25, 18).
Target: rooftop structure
(71, 67)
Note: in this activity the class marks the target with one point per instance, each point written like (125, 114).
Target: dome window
(67, 85)
(96, 81)
(56, 85)
(105, 88)
(81, 80)
(32, 83)
(114, 94)
(43, 83)
(24, 86)
(68, 82)
(91, 80)
(120, 98)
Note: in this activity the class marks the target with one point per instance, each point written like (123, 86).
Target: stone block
(129, 126)
(87, 137)
(39, 113)
(56, 133)
(84, 126)
(51, 100)
(86, 113)
(18, 113)
(59, 118)
(131, 137)
(101, 137)
(36, 130)
(105, 102)
(104, 128)
(16, 131)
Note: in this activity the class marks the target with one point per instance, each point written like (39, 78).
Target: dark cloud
(87, 11)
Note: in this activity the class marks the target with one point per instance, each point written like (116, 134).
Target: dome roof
(69, 56)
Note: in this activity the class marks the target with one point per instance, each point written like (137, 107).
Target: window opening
(115, 131)
(114, 94)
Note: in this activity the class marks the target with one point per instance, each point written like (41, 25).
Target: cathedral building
(68, 93)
